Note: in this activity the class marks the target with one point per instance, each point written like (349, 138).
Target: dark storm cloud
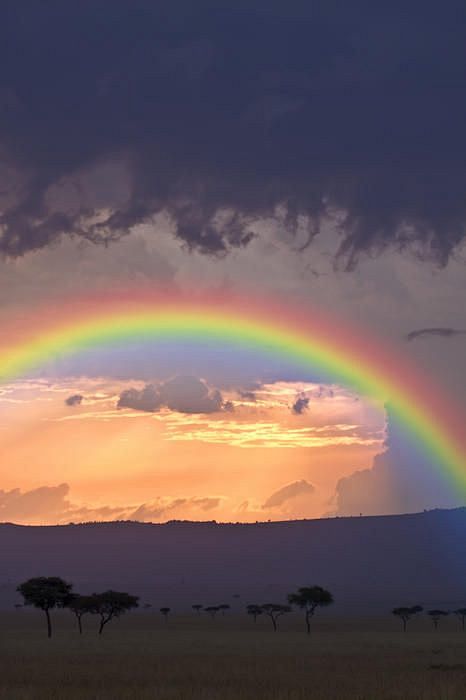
(74, 400)
(439, 332)
(297, 488)
(216, 113)
(300, 405)
(182, 394)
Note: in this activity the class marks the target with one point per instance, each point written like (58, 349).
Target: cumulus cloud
(146, 399)
(206, 503)
(74, 400)
(182, 394)
(216, 115)
(156, 510)
(300, 405)
(402, 479)
(439, 332)
(288, 492)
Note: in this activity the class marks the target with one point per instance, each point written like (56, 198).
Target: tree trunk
(102, 624)
(49, 624)
(308, 623)
(80, 625)
(274, 623)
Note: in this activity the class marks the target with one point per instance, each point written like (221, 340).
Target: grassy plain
(230, 658)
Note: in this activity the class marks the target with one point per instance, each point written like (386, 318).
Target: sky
(310, 153)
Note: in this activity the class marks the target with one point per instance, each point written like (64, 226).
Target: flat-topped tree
(111, 604)
(212, 610)
(80, 605)
(224, 607)
(254, 610)
(198, 607)
(309, 599)
(436, 615)
(165, 612)
(274, 611)
(46, 593)
(406, 613)
(461, 614)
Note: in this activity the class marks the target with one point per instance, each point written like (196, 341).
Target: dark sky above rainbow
(298, 156)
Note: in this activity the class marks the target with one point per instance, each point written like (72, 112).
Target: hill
(369, 563)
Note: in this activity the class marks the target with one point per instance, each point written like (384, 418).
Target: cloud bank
(401, 480)
(50, 504)
(218, 115)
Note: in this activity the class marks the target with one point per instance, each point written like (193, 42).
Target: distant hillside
(368, 562)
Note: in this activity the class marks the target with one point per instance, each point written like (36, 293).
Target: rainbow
(346, 354)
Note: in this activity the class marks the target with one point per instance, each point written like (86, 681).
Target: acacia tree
(79, 606)
(111, 604)
(435, 616)
(165, 612)
(310, 598)
(274, 611)
(224, 607)
(254, 610)
(212, 610)
(197, 608)
(461, 613)
(46, 593)
(405, 614)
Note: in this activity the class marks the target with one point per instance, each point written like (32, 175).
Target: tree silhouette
(254, 610)
(46, 593)
(165, 612)
(435, 616)
(212, 610)
(79, 606)
(461, 613)
(310, 598)
(197, 608)
(274, 611)
(224, 607)
(405, 614)
(110, 604)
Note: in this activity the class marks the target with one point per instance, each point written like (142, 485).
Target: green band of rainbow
(307, 342)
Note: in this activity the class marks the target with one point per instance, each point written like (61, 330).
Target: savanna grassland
(230, 658)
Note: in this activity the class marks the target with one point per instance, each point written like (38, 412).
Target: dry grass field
(230, 658)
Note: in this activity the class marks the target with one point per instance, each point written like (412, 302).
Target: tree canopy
(406, 613)
(309, 598)
(111, 604)
(46, 593)
(274, 611)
